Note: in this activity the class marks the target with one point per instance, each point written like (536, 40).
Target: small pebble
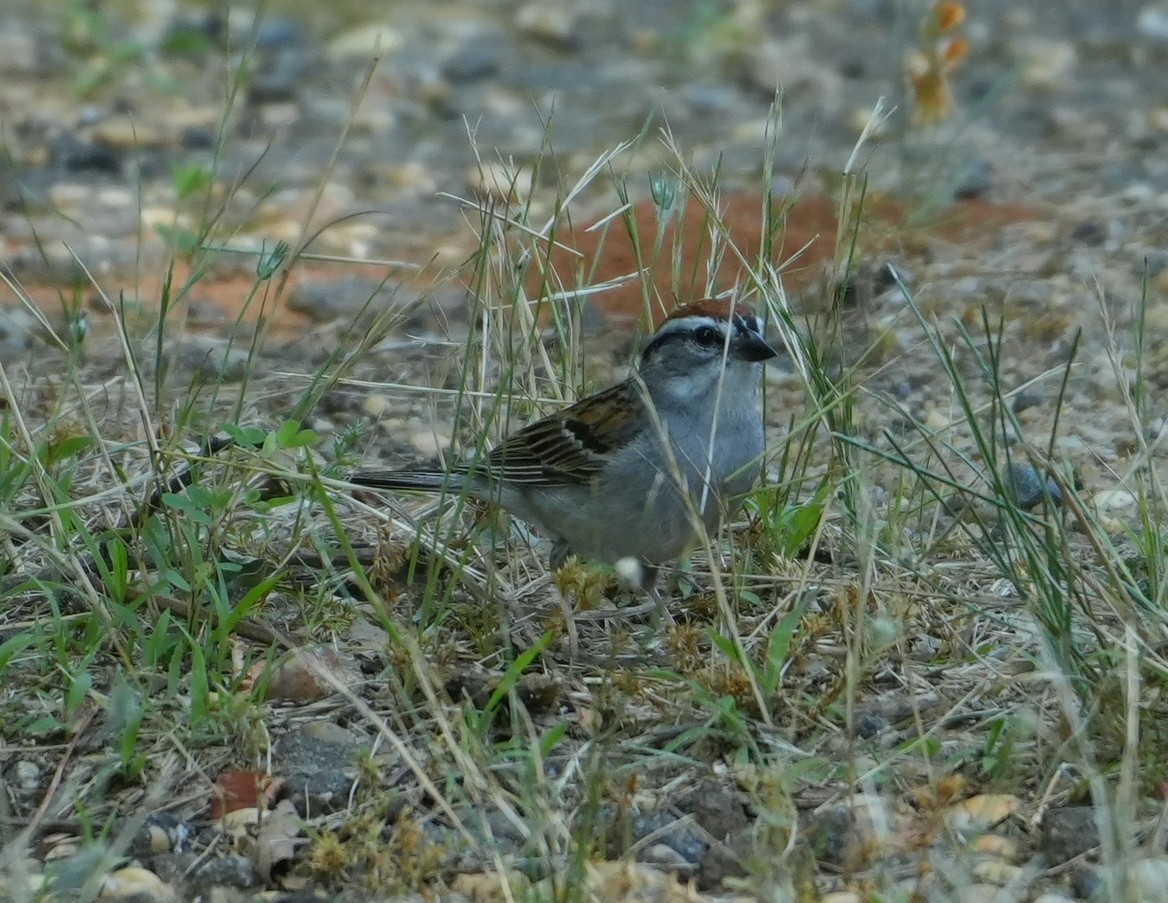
(664, 855)
(1068, 832)
(1152, 23)
(1027, 487)
(375, 405)
(428, 443)
(473, 61)
(549, 23)
(1114, 500)
(28, 775)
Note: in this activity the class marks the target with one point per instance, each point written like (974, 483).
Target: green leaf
(247, 436)
(12, 647)
(727, 646)
(289, 435)
(189, 179)
(63, 449)
(549, 741)
(779, 646)
(516, 668)
(79, 688)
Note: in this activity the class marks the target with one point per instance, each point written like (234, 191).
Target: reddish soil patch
(804, 248)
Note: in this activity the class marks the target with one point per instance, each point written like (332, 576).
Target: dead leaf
(242, 790)
(980, 813)
(137, 884)
(278, 840)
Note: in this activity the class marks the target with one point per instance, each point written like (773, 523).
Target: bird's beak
(750, 346)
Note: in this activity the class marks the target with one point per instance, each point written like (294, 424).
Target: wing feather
(573, 445)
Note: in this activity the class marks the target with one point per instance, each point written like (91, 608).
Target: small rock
(837, 837)
(278, 33)
(793, 67)
(363, 43)
(472, 61)
(28, 776)
(127, 133)
(705, 99)
(1158, 119)
(20, 51)
(997, 845)
(75, 156)
(493, 179)
(1068, 832)
(728, 859)
(549, 23)
(1090, 232)
(1047, 63)
(348, 298)
(278, 77)
(137, 884)
(1152, 23)
(319, 762)
(1027, 487)
(232, 871)
(976, 182)
(683, 838)
(976, 893)
(980, 813)
(996, 872)
(161, 833)
(197, 137)
(428, 443)
(214, 359)
(664, 855)
(1087, 884)
(1025, 400)
(1148, 880)
(719, 810)
(17, 332)
(936, 420)
(186, 35)
(868, 725)
(376, 405)
(1114, 500)
(302, 676)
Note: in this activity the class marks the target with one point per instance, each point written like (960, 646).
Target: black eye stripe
(708, 332)
(748, 323)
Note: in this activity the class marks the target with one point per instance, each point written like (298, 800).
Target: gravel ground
(1061, 108)
(1042, 201)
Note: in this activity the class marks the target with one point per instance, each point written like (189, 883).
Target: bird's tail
(422, 480)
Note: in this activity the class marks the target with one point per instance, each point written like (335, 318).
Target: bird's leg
(649, 574)
(559, 556)
(643, 576)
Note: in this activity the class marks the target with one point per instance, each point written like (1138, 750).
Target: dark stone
(198, 138)
(1068, 832)
(1090, 232)
(472, 61)
(1027, 487)
(319, 762)
(976, 182)
(1025, 400)
(76, 156)
(868, 725)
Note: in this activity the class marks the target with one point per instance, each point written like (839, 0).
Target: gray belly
(609, 518)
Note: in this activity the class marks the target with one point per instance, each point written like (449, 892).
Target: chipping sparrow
(639, 470)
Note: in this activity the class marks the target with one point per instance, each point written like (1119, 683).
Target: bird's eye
(707, 336)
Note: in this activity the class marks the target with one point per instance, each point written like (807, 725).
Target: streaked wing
(572, 445)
